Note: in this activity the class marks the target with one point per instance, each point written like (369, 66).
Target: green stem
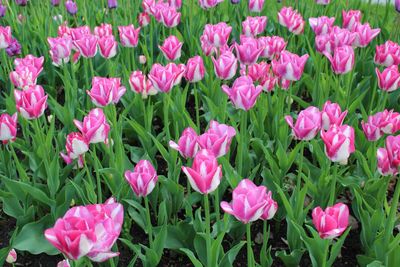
(249, 249)
(216, 205)
(326, 254)
(242, 145)
(332, 195)
(98, 181)
(300, 166)
(196, 101)
(208, 226)
(149, 226)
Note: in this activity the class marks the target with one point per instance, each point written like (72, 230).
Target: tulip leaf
(192, 257)
(230, 256)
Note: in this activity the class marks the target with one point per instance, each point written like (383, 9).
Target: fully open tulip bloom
(128, 35)
(8, 127)
(60, 49)
(71, 7)
(332, 114)
(384, 165)
(248, 202)
(289, 66)
(94, 127)
(380, 123)
(11, 257)
(272, 46)
(217, 138)
(89, 230)
(205, 174)
(364, 34)
(31, 102)
(205, 4)
(243, 94)
(342, 60)
(30, 61)
(291, 19)
(143, 179)
(339, 143)
(387, 54)
(256, 5)
(165, 77)
(254, 26)
(108, 46)
(248, 50)
(216, 35)
(78, 32)
(171, 48)
(170, 17)
(308, 124)
(225, 66)
(105, 91)
(194, 69)
(5, 36)
(258, 71)
(351, 18)
(321, 25)
(187, 144)
(141, 85)
(87, 45)
(389, 79)
(332, 222)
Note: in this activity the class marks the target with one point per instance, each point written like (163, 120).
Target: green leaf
(230, 256)
(191, 256)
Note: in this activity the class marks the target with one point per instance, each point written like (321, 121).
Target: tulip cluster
(291, 19)
(164, 12)
(385, 122)
(389, 157)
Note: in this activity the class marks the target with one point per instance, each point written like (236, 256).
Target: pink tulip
(63, 263)
(248, 50)
(339, 143)
(194, 69)
(128, 35)
(342, 61)
(256, 5)
(323, 44)
(147, 5)
(268, 82)
(341, 37)
(103, 30)
(60, 49)
(178, 71)
(170, 17)
(163, 78)
(141, 85)
(271, 207)
(364, 34)
(24, 76)
(289, 66)
(308, 124)
(332, 222)
(384, 165)
(143, 179)
(87, 45)
(389, 79)
(248, 202)
(30, 61)
(171, 48)
(5, 37)
(89, 230)
(64, 31)
(321, 25)
(257, 71)
(94, 127)
(283, 83)
(243, 94)
(291, 19)
(156, 9)
(380, 123)
(143, 19)
(76, 145)
(108, 46)
(205, 4)
(254, 26)
(322, 2)
(393, 151)
(175, 3)
(79, 32)
(31, 102)
(216, 35)
(218, 138)
(12, 256)
(225, 66)
(332, 115)
(105, 91)
(8, 127)
(205, 174)
(187, 144)
(387, 54)
(272, 45)
(351, 18)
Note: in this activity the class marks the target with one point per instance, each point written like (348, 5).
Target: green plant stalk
(326, 253)
(242, 145)
(149, 226)
(216, 205)
(98, 181)
(298, 182)
(208, 226)
(332, 195)
(249, 249)
(196, 101)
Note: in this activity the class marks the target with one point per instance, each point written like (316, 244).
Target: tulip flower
(321, 25)
(30, 61)
(5, 36)
(393, 150)
(187, 144)
(389, 79)
(194, 69)
(128, 35)
(322, 2)
(341, 37)
(307, 125)
(94, 127)
(112, 4)
(342, 60)
(14, 48)
(143, 19)
(216, 35)
(372, 128)
(384, 165)
(143, 179)
(164, 78)
(31, 102)
(332, 115)
(21, 2)
(387, 54)
(397, 5)
(76, 145)
(351, 18)
(171, 48)
(291, 19)
(108, 46)
(205, 4)
(87, 45)
(323, 44)
(79, 32)
(55, 2)
(63, 263)
(217, 138)
(3, 10)
(254, 26)
(141, 85)
(8, 127)
(256, 5)
(205, 174)
(142, 59)
(380, 123)
(103, 30)
(268, 82)
(257, 71)
(248, 202)
(60, 49)
(248, 50)
(272, 46)
(332, 221)
(71, 7)
(271, 207)
(105, 91)
(170, 17)
(339, 143)
(364, 34)
(11, 257)
(289, 66)
(225, 66)
(147, 5)
(89, 230)
(177, 4)
(243, 94)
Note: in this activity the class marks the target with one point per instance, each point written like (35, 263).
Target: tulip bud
(128, 35)
(187, 144)
(31, 102)
(106, 91)
(217, 138)
(8, 127)
(332, 114)
(195, 69)
(342, 61)
(141, 85)
(11, 257)
(71, 7)
(332, 222)
(225, 66)
(308, 124)
(143, 179)
(339, 143)
(171, 48)
(289, 66)
(389, 79)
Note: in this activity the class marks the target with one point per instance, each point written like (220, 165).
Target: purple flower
(21, 2)
(14, 48)
(71, 7)
(3, 9)
(55, 2)
(397, 5)
(112, 3)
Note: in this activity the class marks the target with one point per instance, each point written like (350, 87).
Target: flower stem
(242, 145)
(149, 226)
(208, 225)
(196, 101)
(249, 249)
